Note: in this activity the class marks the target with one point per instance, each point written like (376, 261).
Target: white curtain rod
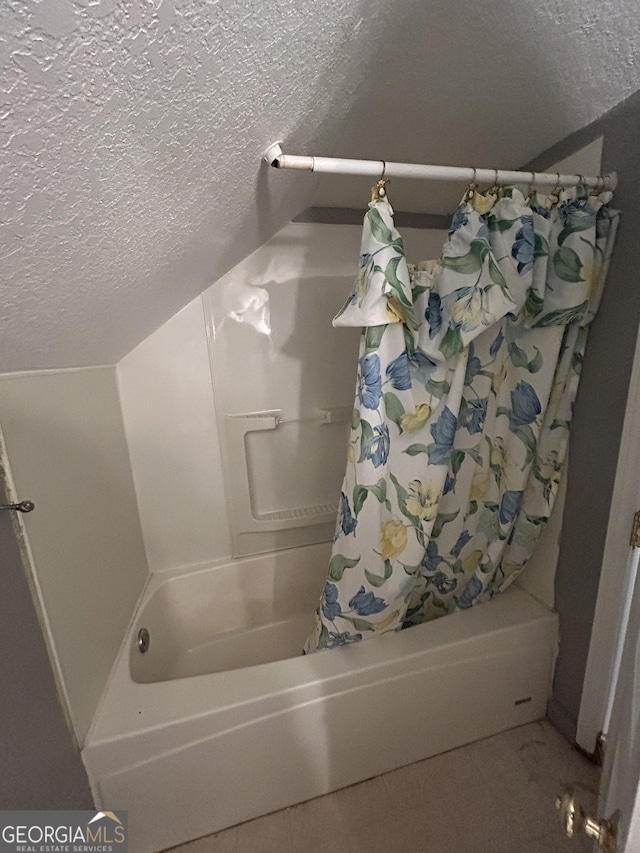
(381, 168)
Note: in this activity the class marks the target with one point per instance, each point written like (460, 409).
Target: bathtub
(222, 720)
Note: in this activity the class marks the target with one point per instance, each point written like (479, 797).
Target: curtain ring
(471, 187)
(379, 191)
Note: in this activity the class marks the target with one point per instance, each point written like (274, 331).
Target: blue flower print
(495, 346)
(398, 372)
(525, 405)
(460, 218)
(449, 484)
(346, 521)
(603, 222)
(330, 606)
(523, 250)
(366, 603)
(510, 506)
(474, 415)
(471, 592)
(377, 447)
(431, 559)
(421, 366)
(340, 638)
(443, 432)
(577, 215)
(443, 583)
(433, 314)
(369, 381)
(541, 211)
(474, 366)
(483, 231)
(462, 540)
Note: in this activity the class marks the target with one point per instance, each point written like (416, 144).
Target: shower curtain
(467, 373)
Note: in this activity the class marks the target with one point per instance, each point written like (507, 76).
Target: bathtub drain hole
(143, 640)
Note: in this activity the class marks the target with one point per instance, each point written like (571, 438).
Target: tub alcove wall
(190, 704)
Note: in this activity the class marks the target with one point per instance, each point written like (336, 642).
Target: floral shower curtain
(467, 373)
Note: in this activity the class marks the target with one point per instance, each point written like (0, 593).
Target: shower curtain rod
(380, 168)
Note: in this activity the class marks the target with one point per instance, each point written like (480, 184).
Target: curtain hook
(471, 188)
(532, 187)
(379, 191)
(554, 195)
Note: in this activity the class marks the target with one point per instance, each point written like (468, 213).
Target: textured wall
(132, 131)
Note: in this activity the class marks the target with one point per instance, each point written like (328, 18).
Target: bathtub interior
(225, 618)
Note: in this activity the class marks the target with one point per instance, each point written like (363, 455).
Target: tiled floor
(493, 796)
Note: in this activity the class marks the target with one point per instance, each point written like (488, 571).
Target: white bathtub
(221, 720)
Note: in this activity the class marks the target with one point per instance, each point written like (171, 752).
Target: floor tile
(364, 804)
(494, 796)
(222, 842)
(270, 834)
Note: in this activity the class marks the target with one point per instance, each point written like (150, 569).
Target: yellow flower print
(498, 379)
(591, 271)
(498, 456)
(471, 562)
(395, 310)
(350, 456)
(483, 203)
(380, 626)
(394, 539)
(467, 307)
(480, 485)
(423, 499)
(413, 421)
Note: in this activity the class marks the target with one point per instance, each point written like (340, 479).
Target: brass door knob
(575, 821)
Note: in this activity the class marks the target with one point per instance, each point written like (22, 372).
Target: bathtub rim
(128, 708)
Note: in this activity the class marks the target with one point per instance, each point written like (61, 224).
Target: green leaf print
(533, 305)
(541, 246)
(567, 264)
(469, 263)
(442, 519)
(415, 449)
(451, 344)
(496, 275)
(457, 458)
(378, 580)
(500, 224)
(379, 490)
(563, 317)
(438, 389)
(367, 435)
(373, 336)
(339, 564)
(397, 287)
(393, 409)
(378, 228)
(360, 494)
(358, 624)
(536, 363)
(518, 356)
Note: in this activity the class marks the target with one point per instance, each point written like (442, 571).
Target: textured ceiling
(132, 132)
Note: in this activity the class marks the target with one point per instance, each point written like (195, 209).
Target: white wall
(167, 391)
(169, 415)
(67, 451)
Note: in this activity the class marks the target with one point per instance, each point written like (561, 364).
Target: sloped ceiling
(132, 133)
